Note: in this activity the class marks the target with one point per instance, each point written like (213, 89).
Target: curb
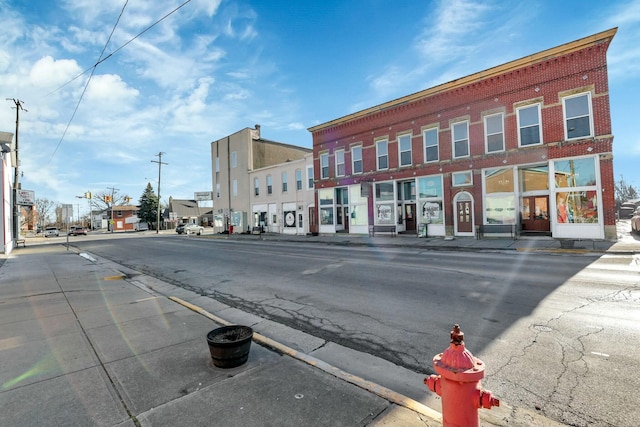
(369, 386)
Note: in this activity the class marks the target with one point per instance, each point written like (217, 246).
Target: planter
(567, 244)
(229, 346)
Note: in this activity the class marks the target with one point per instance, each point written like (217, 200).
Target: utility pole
(160, 163)
(16, 184)
(113, 191)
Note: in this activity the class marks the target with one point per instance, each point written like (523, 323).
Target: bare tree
(44, 209)
(624, 192)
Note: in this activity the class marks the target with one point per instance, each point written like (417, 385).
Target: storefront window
(326, 206)
(534, 178)
(575, 173)
(500, 210)
(577, 207)
(358, 207)
(384, 191)
(499, 180)
(430, 200)
(430, 187)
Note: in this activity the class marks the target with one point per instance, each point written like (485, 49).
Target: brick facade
(547, 79)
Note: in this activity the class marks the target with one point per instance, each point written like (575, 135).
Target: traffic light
(127, 199)
(87, 195)
(107, 199)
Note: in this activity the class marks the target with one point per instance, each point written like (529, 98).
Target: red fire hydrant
(458, 383)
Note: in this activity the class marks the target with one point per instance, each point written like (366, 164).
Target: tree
(44, 208)
(148, 211)
(104, 200)
(624, 192)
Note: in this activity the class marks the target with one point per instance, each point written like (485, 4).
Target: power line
(100, 60)
(75, 110)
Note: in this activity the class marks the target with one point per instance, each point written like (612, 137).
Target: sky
(107, 85)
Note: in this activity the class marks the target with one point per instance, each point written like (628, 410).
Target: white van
(141, 226)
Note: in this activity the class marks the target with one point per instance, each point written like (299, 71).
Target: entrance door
(410, 216)
(463, 209)
(535, 214)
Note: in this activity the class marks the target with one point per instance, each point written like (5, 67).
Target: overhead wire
(101, 60)
(84, 90)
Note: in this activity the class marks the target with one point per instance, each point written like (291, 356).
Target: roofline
(573, 46)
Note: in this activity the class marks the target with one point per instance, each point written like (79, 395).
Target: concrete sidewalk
(83, 345)
(88, 342)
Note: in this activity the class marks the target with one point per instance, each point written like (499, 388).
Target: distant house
(188, 211)
(122, 218)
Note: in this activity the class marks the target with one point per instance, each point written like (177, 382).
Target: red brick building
(524, 146)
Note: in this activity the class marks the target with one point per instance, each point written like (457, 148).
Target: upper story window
(430, 138)
(234, 186)
(217, 164)
(404, 149)
(256, 186)
(460, 136)
(234, 159)
(298, 179)
(382, 154)
(284, 182)
(356, 159)
(218, 190)
(494, 133)
(324, 166)
(269, 184)
(339, 156)
(309, 177)
(529, 129)
(577, 115)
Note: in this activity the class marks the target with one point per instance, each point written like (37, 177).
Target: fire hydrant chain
(458, 383)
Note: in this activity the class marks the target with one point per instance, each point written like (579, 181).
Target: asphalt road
(558, 333)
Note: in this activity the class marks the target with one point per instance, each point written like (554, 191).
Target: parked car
(51, 232)
(635, 221)
(77, 231)
(193, 229)
(189, 229)
(628, 208)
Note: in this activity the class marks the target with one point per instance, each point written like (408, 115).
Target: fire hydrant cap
(456, 362)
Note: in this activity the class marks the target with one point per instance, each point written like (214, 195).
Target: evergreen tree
(148, 203)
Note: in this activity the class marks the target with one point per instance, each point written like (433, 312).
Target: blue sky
(214, 67)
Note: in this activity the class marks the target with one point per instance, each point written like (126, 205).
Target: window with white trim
(356, 159)
(234, 185)
(324, 166)
(431, 151)
(298, 179)
(285, 186)
(404, 149)
(309, 177)
(339, 158)
(494, 132)
(461, 179)
(256, 186)
(234, 159)
(382, 154)
(460, 137)
(269, 184)
(529, 129)
(577, 115)
(218, 190)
